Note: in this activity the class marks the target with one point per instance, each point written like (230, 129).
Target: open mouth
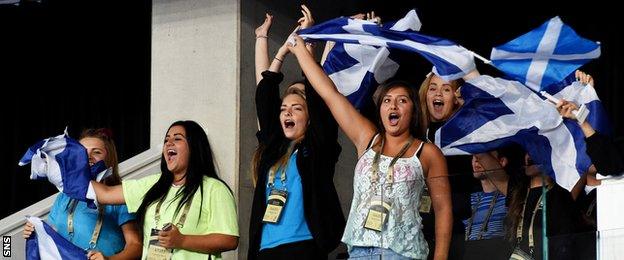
(289, 124)
(171, 154)
(438, 104)
(394, 119)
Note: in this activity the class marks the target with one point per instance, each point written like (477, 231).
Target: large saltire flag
(45, 243)
(450, 60)
(545, 55)
(64, 162)
(357, 69)
(497, 112)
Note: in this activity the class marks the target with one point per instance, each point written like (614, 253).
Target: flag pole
(486, 61)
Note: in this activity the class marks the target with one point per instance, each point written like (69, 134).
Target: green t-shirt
(218, 212)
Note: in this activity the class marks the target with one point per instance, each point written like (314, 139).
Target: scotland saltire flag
(450, 60)
(545, 55)
(572, 90)
(46, 243)
(497, 112)
(63, 161)
(356, 69)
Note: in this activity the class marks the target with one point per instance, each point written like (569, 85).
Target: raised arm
(306, 22)
(262, 47)
(108, 194)
(436, 173)
(357, 127)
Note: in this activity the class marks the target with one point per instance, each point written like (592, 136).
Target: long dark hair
(516, 203)
(383, 89)
(200, 164)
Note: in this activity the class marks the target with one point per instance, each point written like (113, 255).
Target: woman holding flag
(109, 232)
(391, 172)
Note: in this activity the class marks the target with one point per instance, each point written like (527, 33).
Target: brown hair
(111, 160)
(422, 93)
(381, 92)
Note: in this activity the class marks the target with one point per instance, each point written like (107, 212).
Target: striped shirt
(494, 224)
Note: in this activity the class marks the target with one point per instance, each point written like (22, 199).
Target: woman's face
(396, 111)
(96, 150)
(176, 150)
(294, 116)
(531, 169)
(441, 99)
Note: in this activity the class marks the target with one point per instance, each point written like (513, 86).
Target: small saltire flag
(545, 55)
(357, 69)
(63, 161)
(46, 243)
(450, 60)
(497, 112)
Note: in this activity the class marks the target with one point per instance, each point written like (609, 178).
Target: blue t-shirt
(495, 226)
(292, 226)
(111, 239)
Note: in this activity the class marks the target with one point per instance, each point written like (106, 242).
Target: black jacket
(606, 153)
(317, 156)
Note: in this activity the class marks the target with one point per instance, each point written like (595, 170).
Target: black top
(563, 222)
(318, 154)
(606, 154)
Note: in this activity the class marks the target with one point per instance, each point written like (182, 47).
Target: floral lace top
(402, 231)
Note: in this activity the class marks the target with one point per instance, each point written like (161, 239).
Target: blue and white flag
(46, 243)
(545, 55)
(64, 162)
(497, 112)
(572, 90)
(450, 60)
(357, 69)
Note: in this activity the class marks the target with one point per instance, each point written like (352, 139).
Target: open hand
(306, 21)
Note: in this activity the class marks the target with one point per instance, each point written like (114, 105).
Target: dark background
(70, 63)
(476, 25)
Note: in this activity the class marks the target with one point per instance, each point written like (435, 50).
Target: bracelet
(262, 36)
(279, 60)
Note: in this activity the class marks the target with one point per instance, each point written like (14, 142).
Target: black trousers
(304, 250)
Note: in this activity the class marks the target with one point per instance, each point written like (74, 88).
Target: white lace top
(402, 232)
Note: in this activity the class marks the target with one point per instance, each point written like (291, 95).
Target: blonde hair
(422, 94)
(257, 157)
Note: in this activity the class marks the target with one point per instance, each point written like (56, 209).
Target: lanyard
(185, 211)
(96, 229)
(390, 173)
(520, 224)
(487, 217)
(282, 176)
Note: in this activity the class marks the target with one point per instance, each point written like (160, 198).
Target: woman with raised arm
(186, 211)
(391, 172)
(295, 210)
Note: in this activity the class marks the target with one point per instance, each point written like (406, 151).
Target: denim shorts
(374, 253)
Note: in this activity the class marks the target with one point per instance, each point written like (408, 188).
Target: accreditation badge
(275, 205)
(425, 202)
(377, 214)
(154, 250)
